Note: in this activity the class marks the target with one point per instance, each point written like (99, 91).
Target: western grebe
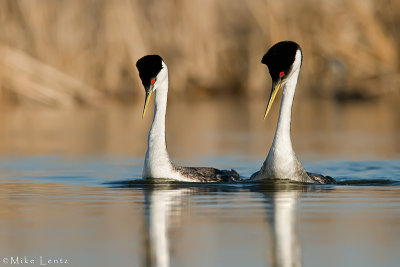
(154, 75)
(284, 62)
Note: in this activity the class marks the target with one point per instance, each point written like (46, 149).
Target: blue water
(98, 171)
(95, 211)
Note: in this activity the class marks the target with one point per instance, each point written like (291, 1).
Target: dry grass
(66, 51)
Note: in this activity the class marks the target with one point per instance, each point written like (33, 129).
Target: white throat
(157, 163)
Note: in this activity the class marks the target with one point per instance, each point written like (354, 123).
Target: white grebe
(154, 75)
(284, 62)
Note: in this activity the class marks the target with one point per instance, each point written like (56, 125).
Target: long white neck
(156, 139)
(282, 142)
(157, 163)
(281, 161)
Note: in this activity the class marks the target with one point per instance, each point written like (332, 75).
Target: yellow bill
(272, 98)
(146, 102)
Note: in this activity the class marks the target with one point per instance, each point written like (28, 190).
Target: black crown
(280, 58)
(149, 66)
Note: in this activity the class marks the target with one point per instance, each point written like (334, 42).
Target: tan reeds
(62, 52)
(40, 82)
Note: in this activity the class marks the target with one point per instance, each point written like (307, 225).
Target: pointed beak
(274, 91)
(149, 91)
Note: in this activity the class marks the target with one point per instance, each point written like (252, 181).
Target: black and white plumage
(284, 61)
(154, 75)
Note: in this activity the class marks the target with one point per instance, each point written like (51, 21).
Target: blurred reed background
(68, 52)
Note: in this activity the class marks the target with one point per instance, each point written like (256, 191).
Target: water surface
(70, 188)
(95, 212)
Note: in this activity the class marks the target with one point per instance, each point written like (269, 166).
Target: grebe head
(283, 59)
(152, 71)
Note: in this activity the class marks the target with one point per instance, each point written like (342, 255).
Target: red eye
(281, 74)
(153, 81)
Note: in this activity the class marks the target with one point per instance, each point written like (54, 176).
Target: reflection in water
(70, 215)
(158, 210)
(283, 249)
(282, 220)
